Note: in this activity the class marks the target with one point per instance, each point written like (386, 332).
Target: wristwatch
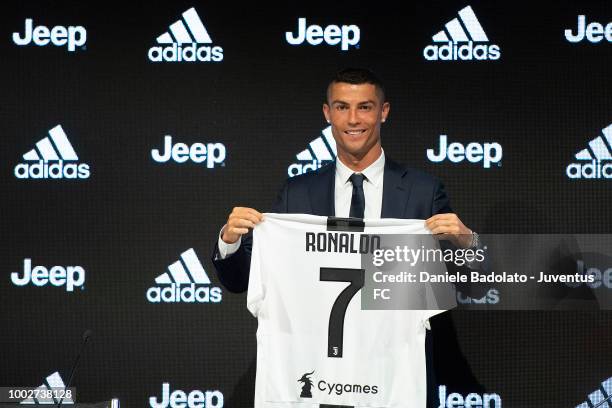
(475, 240)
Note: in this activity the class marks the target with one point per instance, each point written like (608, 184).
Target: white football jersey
(316, 346)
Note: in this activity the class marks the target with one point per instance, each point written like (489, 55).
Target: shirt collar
(373, 173)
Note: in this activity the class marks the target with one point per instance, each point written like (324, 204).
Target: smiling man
(362, 182)
(356, 112)
(356, 107)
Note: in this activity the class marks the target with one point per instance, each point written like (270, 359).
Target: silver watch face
(475, 240)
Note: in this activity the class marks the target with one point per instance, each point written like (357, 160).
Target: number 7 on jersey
(336, 318)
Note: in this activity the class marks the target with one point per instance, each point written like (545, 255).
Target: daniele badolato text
(342, 242)
(479, 277)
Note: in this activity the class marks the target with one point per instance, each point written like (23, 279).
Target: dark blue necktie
(358, 198)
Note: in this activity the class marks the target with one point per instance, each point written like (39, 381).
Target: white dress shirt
(343, 192)
(372, 188)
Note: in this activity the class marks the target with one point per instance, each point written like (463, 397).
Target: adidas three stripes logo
(320, 151)
(456, 32)
(463, 39)
(600, 398)
(187, 40)
(595, 161)
(53, 382)
(49, 151)
(180, 33)
(185, 281)
(599, 148)
(52, 158)
(188, 269)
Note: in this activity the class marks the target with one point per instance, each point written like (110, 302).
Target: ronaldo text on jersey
(316, 346)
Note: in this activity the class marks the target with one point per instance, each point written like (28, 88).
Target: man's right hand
(239, 222)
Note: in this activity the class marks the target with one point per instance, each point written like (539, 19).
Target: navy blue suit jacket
(407, 193)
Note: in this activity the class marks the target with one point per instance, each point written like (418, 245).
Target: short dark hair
(357, 76)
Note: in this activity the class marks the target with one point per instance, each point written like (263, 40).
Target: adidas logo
(190, 30)
(52, 387)
(462, 45)
(71, 36)
(600, 398)
(184, 282)
(50, 156)
(596, 159)
(319, 152)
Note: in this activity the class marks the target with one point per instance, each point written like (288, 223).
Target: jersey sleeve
(255, 292)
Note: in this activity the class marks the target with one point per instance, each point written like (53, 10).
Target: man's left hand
(450, 227)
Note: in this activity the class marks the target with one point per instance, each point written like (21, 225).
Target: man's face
(355, 113)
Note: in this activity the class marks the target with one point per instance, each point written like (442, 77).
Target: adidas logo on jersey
(600, 398)
(594, 32)
(70, 276)
(181, 399)
(455, 44)
(470, 400)
(346, 36)
(71, 36)
(211, 153)
(54, 157)
(595, 160)
(320, 151)
(182, 43)
(485, 153)
(51, 387)
(186, 281)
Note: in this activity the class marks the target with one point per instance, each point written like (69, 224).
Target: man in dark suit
(355, 107)
(362, 183)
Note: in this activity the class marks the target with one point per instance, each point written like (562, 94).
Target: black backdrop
(542, 101)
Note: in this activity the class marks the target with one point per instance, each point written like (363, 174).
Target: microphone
(86, 335)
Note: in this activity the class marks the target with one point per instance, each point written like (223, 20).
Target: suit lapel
(396, 190)
(321, 191)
